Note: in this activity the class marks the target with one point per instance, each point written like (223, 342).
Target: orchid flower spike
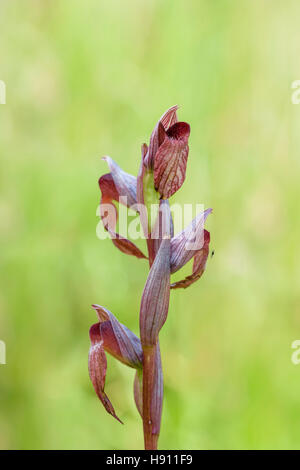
(161, 174)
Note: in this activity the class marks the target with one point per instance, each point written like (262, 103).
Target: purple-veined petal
(109, 215)
(159, 133)
(169, 117)
(186, 243)
(98, 367)
(118, 340)
(156, 294)
(199, 264)
(110, 336)
(170, 160)
(124, 182)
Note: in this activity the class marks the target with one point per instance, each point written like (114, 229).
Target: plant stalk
(150, 439)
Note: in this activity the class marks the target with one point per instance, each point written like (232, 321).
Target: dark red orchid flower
(120, 187)
(161, 174)
(108, 335)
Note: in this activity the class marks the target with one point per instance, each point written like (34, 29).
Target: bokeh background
(91, 78)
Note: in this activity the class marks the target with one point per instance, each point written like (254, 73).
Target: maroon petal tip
(179, 131)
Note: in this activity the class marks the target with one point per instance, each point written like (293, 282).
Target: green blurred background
(91, 78)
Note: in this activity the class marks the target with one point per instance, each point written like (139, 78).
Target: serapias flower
(168, 152)
(108, 335)
(192, 242)
(120, 187)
